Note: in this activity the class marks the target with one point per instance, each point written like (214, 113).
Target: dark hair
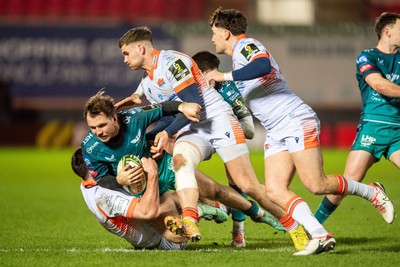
(99, 103)
(383, 20)
(206, 60)
(230, 19)
(142, 33)
(78, 163)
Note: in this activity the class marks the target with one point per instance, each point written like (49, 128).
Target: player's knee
(178, 161)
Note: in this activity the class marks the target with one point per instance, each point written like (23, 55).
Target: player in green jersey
(113, 135)
(378, 131)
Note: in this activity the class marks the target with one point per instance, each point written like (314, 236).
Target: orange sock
(288, 222)
(191, 213)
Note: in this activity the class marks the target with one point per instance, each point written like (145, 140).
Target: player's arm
(189, 94)
(382, 85)
(147, 207)
(256, 68)
(134, 99)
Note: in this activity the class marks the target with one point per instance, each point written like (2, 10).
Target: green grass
(45, 222)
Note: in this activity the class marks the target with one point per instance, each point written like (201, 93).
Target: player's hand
(214, 75)
(190, 110)
(160, 142)
(128, 175)
(129, 101)
(150, 167)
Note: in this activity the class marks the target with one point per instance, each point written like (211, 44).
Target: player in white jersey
(175, 76)
(125, 215)
(292, 129)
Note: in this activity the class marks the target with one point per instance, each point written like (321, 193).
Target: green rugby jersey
(374, 105)
(102, 158)
(231, 94)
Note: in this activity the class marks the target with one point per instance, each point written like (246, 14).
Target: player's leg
(168, 208)
(189, 151)
(357, 164)
(279, 171)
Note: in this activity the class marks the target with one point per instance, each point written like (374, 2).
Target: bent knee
(178, 161)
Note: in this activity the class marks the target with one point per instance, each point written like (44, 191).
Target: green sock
(325, 209)
(238, 215)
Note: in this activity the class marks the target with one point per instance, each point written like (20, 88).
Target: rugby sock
(190, 213)
(351, 187)
(238, 215)
(325, 209)
(289, 223)
(299, 210)
(238, 227)
(254, 209)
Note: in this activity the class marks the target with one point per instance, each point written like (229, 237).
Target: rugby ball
(133, 161)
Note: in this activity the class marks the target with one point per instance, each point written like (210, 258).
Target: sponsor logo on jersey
(367, 140)
(90, 149)
(249, 50)
(110, 158)
(228, 134)
(179, 70)
(160, 82)
(361, 59)
(126, 119)
(87, 138)
(120, 205)
(365, 67)
(393, 77)
(137, 138)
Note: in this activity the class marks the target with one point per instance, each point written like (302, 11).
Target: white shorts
(222, 134)
(298, 131)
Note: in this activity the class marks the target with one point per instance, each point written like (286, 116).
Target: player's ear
(227, 34)
(142, 49)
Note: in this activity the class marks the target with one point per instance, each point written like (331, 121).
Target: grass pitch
(45, 222)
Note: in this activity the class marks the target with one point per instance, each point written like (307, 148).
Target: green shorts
(377, 138)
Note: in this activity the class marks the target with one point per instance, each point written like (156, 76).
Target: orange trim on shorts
(292, 203)
(237, 131)
(310, 134)
(343, 186)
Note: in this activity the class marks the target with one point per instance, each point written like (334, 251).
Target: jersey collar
(88, 184)
(154, 62)
(240, 37)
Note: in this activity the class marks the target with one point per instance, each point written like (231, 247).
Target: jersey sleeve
(366, 65)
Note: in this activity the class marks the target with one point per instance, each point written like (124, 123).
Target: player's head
(230, 19)
(206, 61)
(386, 21)
(226, 25)
(101, 116)
(136, 34)
(78, 164)
(136, 45)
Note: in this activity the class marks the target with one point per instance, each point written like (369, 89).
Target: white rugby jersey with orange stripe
(269, 97)
(172, 72)
(113, 210)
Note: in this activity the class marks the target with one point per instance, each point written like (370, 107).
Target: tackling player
(292, 130)
(378, 76)
(127, 216)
